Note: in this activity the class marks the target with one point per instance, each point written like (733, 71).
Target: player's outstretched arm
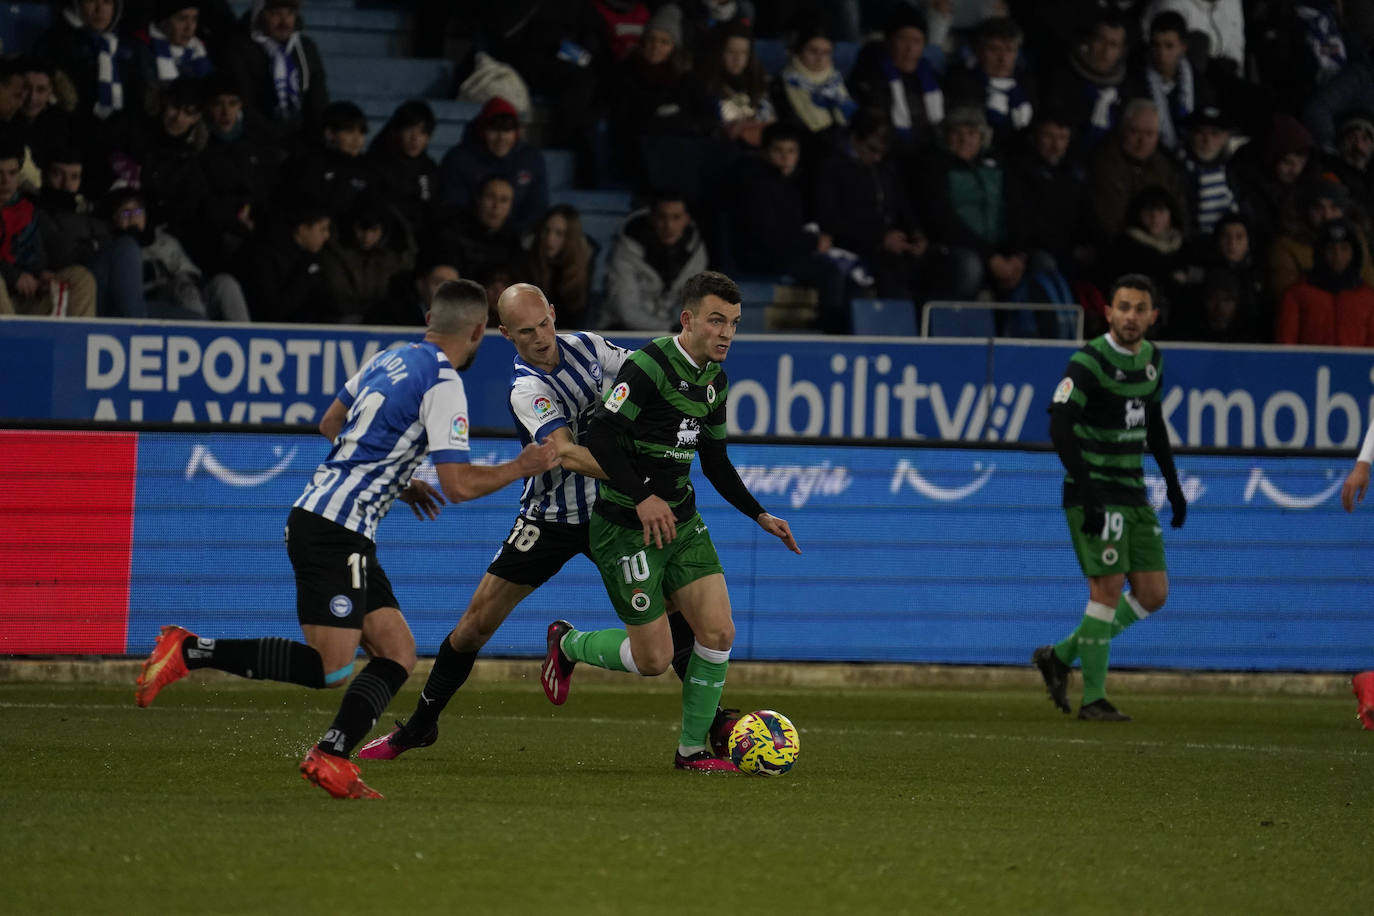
(423, 499)
(574, 457)
(461, 482)
(1357, 481)
(779, 528)
(332, 423)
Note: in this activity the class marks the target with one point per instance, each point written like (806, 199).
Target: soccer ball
(764, 743)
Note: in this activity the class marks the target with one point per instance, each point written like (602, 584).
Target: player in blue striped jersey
(557, 381)
(401, 405)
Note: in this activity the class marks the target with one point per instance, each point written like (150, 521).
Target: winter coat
(169, 274)
(1115, 180)
(282, 281)
(411, 184)
(1046, 206)
(360, 280)
(470, 163)
(858, 204)
(479, 252)
(333, 177)
(872, 83)
(241, 170)
(640, 296)
(80, 235)
(23, 248)
(766, 214)
(72, 50)
(251, 67)
(1311, 315)
(1290, 257)
(171, 176)
(964, 203)
(1222, 21)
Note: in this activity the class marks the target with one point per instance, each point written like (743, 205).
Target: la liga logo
(458, 429)
(617, 397)
(542, 407)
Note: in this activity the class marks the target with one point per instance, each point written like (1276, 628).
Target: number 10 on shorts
(634, 568)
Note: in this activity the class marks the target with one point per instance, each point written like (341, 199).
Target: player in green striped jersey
(647, 538)
(1104, 414)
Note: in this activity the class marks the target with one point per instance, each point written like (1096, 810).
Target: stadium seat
(601, 228)
(605, 201)
(883, 317)
(359, 42)
(950, 321)
(772, 54)
(21, 24)
(410, 77)
(559, 166)
(846, 52)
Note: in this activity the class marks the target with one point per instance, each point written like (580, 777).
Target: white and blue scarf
(109, 90)
(177, 60)
(932, 97)
(1006, 102)
(1174, 105)
(819, 99)
(290, 74)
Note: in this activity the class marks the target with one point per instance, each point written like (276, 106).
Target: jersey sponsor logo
(1279, 497)
(678, 454)
(1135, 413)
(1063, 390)
(617, 397)
(458, 430)
(687, 432)
(1110, 556)
(543, 407)
(639, 600)
(710, 394)
(201, 457)
(340, 605)
(906, 474)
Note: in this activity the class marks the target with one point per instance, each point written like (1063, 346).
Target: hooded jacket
(249, 63)
(644, 280)
(470, 163)
(1327, 308)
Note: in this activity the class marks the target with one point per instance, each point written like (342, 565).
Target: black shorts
(535, 551)
(338, 578)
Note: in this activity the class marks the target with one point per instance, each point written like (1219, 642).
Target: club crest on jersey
(639, 601)
(710, 394)
(543, 407)
(1110, 556)
(617, 397)
(1150, 372)
(596, 372)
(458, 430)
(1063, 390)
(340, 606)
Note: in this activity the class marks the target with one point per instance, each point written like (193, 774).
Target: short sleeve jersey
(659, 406)
(402, 404)
(541, 402)
(1106, 392)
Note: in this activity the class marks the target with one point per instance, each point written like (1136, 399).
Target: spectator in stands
(174, 50)
(1351, 90)
(965, 213)
(657, 250)
(373, 245)
(105, 73)
(483, 239)
(1166, 77)
(1204, 157)
(1297, 47)
(735, 80)
(336, 170)
(33, 285)
(1232, 254)
(703, 20)
(1332, 305)
(661, 115)
(411, 294)
(1269, 175)
(1047, 198)
(1215, 314)
(492, 146)
(1354, 154)
(769, 229)
(400, 154)
(810, 93)
(1152, 244)
(1218, 24)
(1291, 254)
(48, 125)
(166, 159)
(278, 271)
(242, 167)
(83, 237)
(1089, 83)
(893, 76)
(859, 196)
(560, 258)
(12, 121)
(1128, 164)
(1005, 92)
(279, 69)
(169, 281)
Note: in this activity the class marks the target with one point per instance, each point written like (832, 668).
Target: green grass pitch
(903, 801)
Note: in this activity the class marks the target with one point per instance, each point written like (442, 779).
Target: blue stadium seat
(604, 201)
(772, 54)
(883, 317)
(845, 54)
(21, 24)
(410, 77)
(602, 228)
(961, 322)
(359, 42)
(559, 165)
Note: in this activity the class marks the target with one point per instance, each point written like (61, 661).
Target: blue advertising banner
(910, 555)
(780, 386)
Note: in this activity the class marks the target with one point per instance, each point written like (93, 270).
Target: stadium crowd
(169, 158)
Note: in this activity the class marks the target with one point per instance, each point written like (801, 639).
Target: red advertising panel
(66, 538)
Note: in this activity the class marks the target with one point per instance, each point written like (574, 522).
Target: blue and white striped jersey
(541, 402)
(401, 404)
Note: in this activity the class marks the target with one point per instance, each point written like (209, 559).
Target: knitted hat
(666, 19)
(1208, 116)
(1288, 136)
(164, 9)
(967, 116)
(1356, 120)
(905, 16)
(1329, 188)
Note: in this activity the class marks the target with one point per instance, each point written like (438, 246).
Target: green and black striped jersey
(659, 405)
(1106, 391)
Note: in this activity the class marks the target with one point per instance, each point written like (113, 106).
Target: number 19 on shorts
(1113, 526)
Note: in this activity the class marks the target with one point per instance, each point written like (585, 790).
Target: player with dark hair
(557, 380)
(401, 405)
(1104, 413)
(648, 540)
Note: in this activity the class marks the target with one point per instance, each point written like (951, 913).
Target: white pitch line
(1271, 749)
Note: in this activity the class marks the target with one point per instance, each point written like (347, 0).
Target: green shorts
(637, 577)
(1134, 541)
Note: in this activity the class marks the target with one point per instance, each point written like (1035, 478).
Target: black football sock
(270, 658)
(450, 671)
(363, 704)
(683, 640)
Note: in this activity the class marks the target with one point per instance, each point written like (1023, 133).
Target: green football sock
(595, 647)
(1128, 611)
(701, 690)
(1094, 648)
